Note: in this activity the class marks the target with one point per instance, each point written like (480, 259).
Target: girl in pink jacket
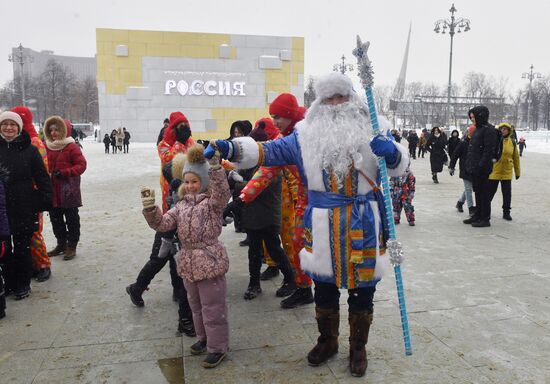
(202, 260)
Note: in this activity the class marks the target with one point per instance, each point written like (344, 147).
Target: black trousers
(482, 190)
(126, 147)
(327, 296)
(18, 262)
(506, 188)
(66, 224)
(155, 264)
(107, 148)
(412, 152)
(270, 236)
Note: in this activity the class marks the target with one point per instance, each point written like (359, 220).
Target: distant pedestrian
(402, 193)
(119, 138)
(438, 157)
(522, 145)
(113, 141)
(396, 135)
(126, 141)
(413, 140)
(459, 154)
(107, 142)
(453, 142)
(422, 144)
(504, 168)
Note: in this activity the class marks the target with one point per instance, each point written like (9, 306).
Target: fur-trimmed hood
(64, 127)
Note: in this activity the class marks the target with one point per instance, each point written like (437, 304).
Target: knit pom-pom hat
(196, 163)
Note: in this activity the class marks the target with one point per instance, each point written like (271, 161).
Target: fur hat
(8, 115)
(61, 125)
(26, 117)
(196, 163)
(331, 84)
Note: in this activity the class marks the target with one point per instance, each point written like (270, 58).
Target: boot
(359, 326)
(459, 206)
(135, 293)
(59, 248)
(289, 285)
(481, 224)
(328, 321)
(471, 211)
(70, 251)
(472, 219)
(301, 296)
(434, 178)
(506, 215)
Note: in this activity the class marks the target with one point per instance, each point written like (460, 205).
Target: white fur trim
(403, 164)
(249, 153)
(332, 84)
(320, 261)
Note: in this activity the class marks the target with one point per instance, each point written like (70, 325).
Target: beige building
(214, 79)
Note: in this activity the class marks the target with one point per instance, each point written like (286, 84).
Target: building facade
(214, 79)
(36, 62)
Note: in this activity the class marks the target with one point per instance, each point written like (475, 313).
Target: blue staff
(364, 68)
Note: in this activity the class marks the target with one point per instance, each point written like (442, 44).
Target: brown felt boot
(359, 325)
(70, 252)
(328, 321)
(59, 248)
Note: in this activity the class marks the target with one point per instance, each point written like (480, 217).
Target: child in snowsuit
(202, 260)
(522, 145)
(402, 194)
(107, 142)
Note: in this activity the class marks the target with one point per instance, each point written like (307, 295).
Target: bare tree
(309, 93)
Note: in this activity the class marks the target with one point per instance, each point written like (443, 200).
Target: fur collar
(60, 144)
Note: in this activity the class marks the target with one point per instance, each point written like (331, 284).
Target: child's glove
(214, 161)
(383, 146)
(147, 198)
(167, 248)
(451, 171)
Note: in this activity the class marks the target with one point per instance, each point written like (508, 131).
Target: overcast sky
(504, 39)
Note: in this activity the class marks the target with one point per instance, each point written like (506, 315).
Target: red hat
(285, 105)
(26, 116)
(176, 118)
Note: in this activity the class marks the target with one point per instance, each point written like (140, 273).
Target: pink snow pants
(207, 299)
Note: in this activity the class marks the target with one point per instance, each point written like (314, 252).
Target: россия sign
(209, 85)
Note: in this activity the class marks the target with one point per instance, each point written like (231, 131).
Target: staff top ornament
(364, 65)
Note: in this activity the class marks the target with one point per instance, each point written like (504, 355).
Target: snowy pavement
(478, 299)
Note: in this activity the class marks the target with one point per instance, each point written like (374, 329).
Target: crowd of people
(118, 141)
(36, 175)
(311, 210)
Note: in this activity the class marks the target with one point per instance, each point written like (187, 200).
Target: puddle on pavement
(172, 369)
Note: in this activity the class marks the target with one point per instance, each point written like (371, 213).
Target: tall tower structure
(399, 90)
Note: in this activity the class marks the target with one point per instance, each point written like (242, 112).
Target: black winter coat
(23, 201)
(436, 147)
(452, 143)
(460, 153)
(479, 162)
(413, 140)
(4, 223)
(265, 210)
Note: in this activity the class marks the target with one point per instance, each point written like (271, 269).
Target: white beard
(332, 135)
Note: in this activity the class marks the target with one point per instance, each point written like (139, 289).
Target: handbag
(69, 192)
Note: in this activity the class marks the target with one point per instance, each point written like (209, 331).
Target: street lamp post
(454, 25)
(342, 67)
(530, 76)
(19, 58)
